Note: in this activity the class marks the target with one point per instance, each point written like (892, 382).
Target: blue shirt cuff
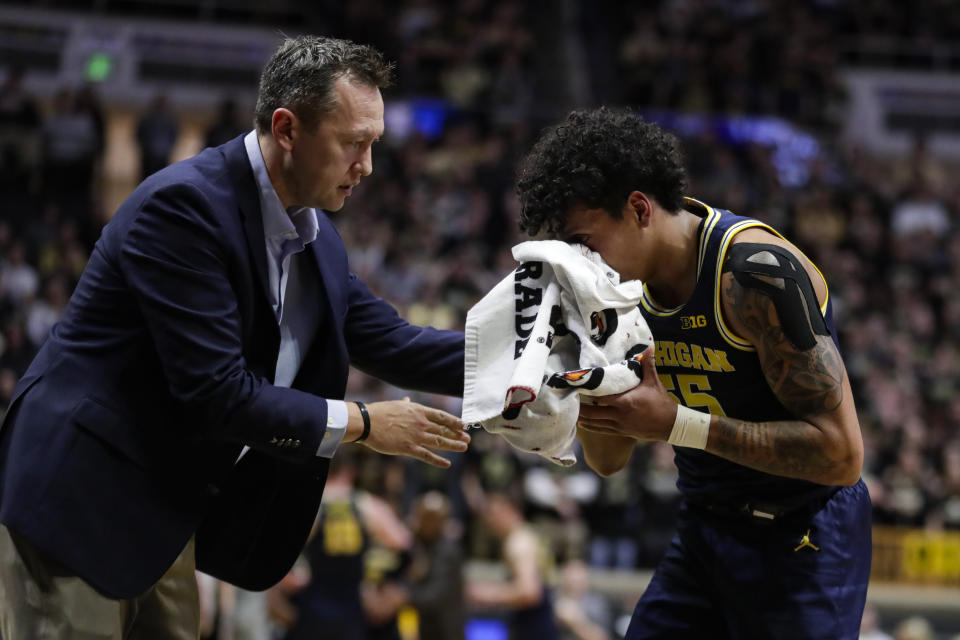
(336, 426)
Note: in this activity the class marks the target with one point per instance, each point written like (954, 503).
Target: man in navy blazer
(189, 401)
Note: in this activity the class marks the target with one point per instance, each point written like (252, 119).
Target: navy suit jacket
(122, 437)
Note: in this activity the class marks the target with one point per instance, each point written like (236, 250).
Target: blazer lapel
(262, 351)
(241, 174)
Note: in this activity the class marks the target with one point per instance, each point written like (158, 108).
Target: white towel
(561, 324)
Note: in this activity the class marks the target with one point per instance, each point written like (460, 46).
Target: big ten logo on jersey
(342, 532)
(693, 322)
(528, 296)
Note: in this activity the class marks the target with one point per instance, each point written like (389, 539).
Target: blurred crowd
(761, 56)
(431, 231)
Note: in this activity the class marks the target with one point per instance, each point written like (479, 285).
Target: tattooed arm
(823, 444)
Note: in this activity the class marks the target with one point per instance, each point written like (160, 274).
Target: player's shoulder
(766, 236)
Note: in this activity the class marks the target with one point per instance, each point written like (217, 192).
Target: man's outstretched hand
(401, 427)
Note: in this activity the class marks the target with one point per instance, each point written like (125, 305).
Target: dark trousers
(801, 577)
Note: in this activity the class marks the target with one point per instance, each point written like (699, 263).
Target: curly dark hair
(302, 71)
(597, 158)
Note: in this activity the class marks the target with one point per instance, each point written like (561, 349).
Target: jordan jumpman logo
(805, 542)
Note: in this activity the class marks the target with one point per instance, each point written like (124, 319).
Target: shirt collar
(278, 224)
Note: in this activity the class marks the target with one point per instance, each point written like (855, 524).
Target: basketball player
(745, 380)
(330, 606)
(525, 597)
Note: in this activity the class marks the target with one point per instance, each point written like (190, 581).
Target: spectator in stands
(8, 380)
(583, 615)
(435, 577)
(70, 151)
(88, 102)
(157, 133)
(20, 124)
(914, 628)
(16, 352)
(870, 627)
(614, 515)
(660, 502)
(226, 126)
(19, 282)
(949, 495)
(47, 310)
(919, 218)
(229, 613)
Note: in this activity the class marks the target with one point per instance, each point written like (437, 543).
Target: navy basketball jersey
(704, 366)
(330, 607)
(336, 551)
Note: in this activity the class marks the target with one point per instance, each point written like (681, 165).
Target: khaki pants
(39, 602)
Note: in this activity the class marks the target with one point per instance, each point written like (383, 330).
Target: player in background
(526, 596)
(328, 601)
(745, 380)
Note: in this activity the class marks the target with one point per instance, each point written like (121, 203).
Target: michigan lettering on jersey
(691, 356)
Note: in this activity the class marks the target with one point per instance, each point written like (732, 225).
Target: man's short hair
(596, 159)
(302, 72)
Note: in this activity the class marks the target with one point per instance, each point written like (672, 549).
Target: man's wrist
(365, 416)
(354, 423)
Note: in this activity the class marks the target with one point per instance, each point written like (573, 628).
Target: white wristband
(690, 428)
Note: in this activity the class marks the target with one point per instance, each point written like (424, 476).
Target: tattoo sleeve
(807, 383)
(787, 448)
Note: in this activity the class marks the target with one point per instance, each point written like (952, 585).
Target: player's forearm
(518, 596)
(790, 448)
(605, 454)
(510, 595)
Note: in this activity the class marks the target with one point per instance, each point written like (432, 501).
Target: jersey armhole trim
(729, 336)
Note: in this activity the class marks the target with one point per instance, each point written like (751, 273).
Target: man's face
(327, 164)
(617, 241)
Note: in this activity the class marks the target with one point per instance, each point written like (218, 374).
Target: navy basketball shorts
(735, 578)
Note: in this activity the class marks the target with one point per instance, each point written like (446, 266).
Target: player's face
(618, 241)
(329, 162)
